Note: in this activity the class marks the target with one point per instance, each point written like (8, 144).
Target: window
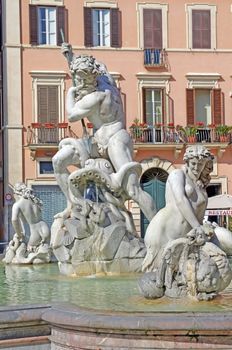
(45, 167)
(152, 23)
(47, 103)
(201, 29)
(48, 96)
(48, 112)
(102, 27)
(46, 24)
(154, 99)
(201, 26)
(204, 105)
(153, 113)
(204, 99)
(152, 19)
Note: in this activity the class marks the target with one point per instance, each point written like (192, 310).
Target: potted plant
(211, 126)
(190, 132)
(136, 129)
(222, 132)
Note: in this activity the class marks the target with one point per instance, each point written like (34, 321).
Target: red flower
(143, 125)
(158, 125)
(170, 125)
(200, 124)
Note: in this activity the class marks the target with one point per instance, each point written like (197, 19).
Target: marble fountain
(109, 289)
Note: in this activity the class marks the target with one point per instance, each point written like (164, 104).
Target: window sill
(47, 2)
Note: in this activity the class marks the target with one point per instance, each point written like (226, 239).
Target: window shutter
(115, 28)
(88, 27)
(201, 31)
(152, 28)
(144, 105)
(33, 22)
(53, 103)
(42, 100)
(190, 106)
(61, 24)
(164, 114)
(217, 106)
(47, 104)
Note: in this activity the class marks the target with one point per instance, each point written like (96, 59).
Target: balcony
(48, 133)
(155, 58)
(46, 136)
(176, 138)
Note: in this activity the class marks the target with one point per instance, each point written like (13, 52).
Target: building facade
(170, 59)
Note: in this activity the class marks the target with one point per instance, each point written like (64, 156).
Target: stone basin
(103, 312)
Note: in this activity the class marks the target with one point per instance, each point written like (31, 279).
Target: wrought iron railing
(166, 135)
(48, 133)
(154, 57)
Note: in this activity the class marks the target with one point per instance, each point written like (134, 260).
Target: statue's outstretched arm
(66, 50)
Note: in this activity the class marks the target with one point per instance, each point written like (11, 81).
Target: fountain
(180, 268)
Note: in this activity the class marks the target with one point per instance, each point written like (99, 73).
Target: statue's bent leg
(144, 200)
(71, 152)
(120, 151)
(61, 160)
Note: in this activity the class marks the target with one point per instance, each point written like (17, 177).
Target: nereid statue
(96, 231)
(183, 254)
(27, 209)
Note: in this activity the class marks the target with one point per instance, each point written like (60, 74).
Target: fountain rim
(73, 317)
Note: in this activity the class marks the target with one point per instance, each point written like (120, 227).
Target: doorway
(153, 181)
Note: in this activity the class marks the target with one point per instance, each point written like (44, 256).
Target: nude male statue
(96, 97)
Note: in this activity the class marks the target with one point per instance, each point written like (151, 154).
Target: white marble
(27, 209)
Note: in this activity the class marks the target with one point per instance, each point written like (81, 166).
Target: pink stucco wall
(128, 61)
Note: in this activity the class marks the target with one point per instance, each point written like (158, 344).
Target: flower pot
(191, 139)
(223, 138)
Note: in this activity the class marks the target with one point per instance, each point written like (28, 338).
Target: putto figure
(27, 209)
